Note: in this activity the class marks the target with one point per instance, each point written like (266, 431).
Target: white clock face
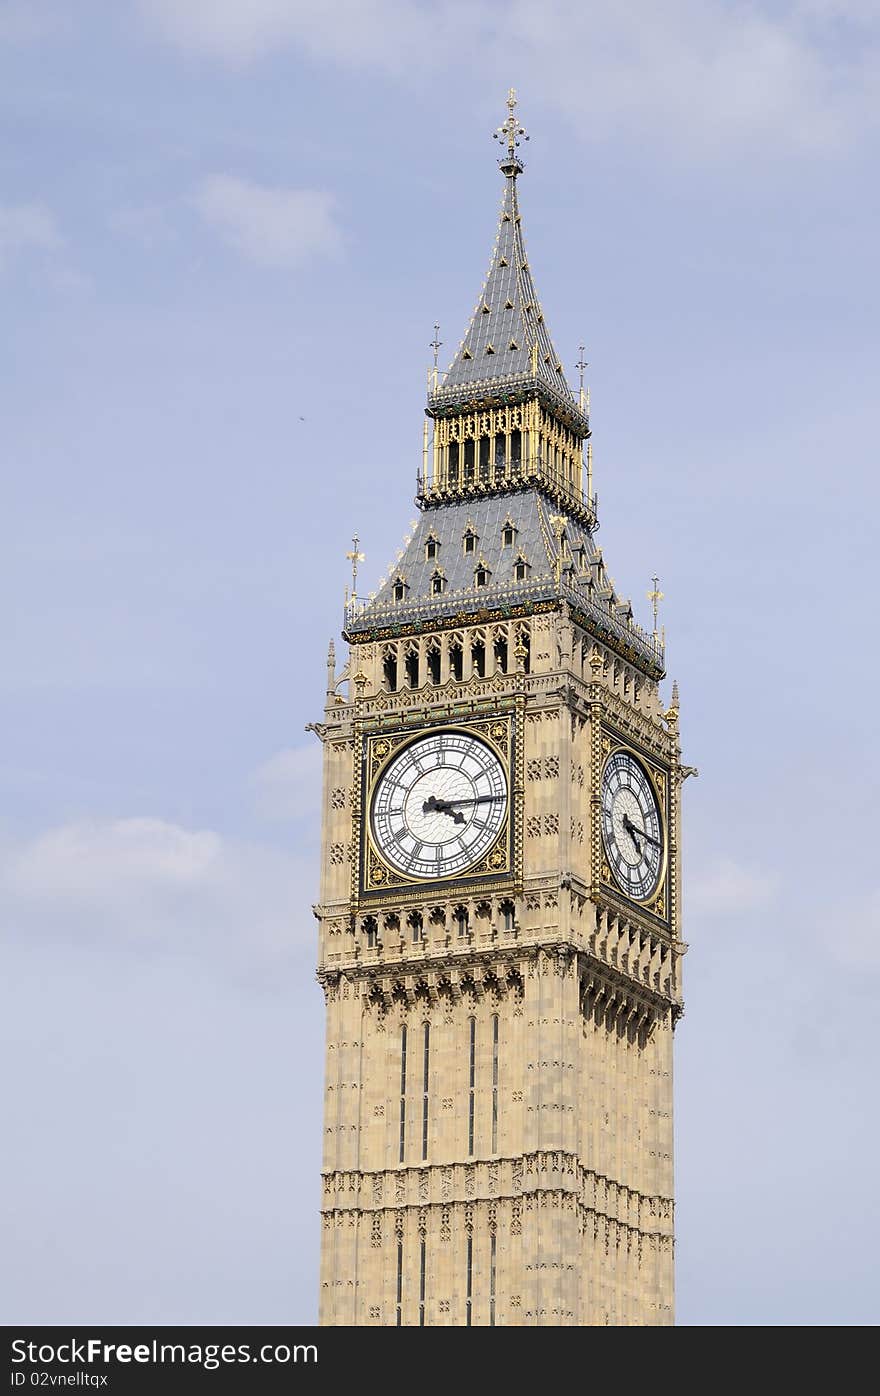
(439, 805)
(632, 830)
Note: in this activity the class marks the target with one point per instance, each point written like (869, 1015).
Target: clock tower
(500, 885)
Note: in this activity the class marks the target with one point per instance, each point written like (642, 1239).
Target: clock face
(439, 805)
(632, 831)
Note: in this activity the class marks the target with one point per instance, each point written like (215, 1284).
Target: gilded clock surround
(497, 1145)
(377, 875)
(658, 901)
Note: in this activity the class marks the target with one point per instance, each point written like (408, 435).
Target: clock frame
(374, 874)
(658, 901)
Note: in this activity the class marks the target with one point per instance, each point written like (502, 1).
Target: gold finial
(580, 366)
(436, 343)
(558, 522)
(655, 597)
(354, 557)
(510, 131)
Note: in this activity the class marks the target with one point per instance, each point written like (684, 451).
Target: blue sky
(226, 232)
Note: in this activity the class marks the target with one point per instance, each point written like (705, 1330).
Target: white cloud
(695, 77)
(26, 227)
(725, 888)
(147, 225)
(288, 785)
(850, 932)
(154, 886)
(350, 31)
(270, 226)
(25, 21)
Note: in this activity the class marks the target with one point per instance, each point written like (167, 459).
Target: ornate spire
(511, 133)
(507, 346)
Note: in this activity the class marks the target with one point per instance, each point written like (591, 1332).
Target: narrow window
(469, 462)
(472, 1081)
(491, 1280)
(470, 541)
(520, 569)
(468, 1307)
(371, 931)
(437, 584)
(399, 1283)
(402, 1091)
(456, 662)
(399, 591)
(478, 660)
(508, 914)
(495, 1083)
(500, 457)
(481, 577)
(411, 669)
(461, 921)
(432, 547)
(507, 536)
(416, 925)
(453, 463)
(426, 1077)
(422, 1284)
(484, 459)
(515, 451)
(501, 656)
(390, 673)
(434, 666)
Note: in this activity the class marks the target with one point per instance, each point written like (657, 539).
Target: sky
(227, 229)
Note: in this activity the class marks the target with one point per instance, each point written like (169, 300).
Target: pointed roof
(563, 562)
(507, 348)
(507, 336)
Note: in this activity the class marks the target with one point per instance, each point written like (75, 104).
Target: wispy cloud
(359, 32)
(273, 227)
(288, 785)
(697, 77)
(849, 932)
(148, 885)
(26, 228)
(725, 888)
(147, 224)
(25, 21)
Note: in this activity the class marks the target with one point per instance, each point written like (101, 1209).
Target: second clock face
(632, 830)
(439, 805)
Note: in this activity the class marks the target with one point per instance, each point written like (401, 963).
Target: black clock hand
(434, 806)
(632, 830)
(475, 800)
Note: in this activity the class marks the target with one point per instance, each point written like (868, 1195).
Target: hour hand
(632, 831)
(435, 806)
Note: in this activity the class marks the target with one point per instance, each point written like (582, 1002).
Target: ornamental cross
(655, 597)
(510, 130)
(581, 365)
(354, 557)
(436, 342)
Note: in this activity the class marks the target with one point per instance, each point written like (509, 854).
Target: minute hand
(475, 800)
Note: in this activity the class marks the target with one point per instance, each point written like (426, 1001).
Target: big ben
(499, 913)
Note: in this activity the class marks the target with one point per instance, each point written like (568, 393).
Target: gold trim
(657, 778)
(496, 732)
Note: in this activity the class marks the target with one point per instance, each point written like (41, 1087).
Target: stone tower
(499, 905)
